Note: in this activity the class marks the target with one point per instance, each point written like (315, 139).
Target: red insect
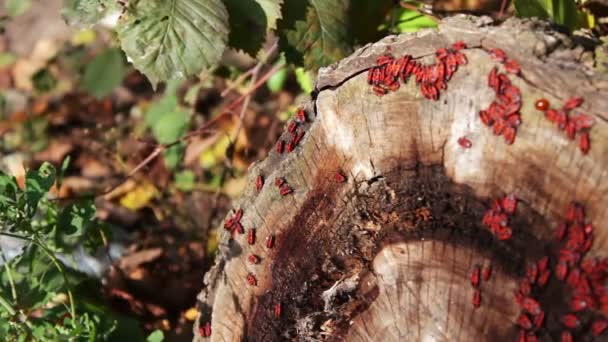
(486, 272)
(279, 181)
(292, 126)
(498, 55)
(259, 183)
(298, 137)
(301, 115)
(238, 227)
(524, 287)
(532, 272)
(561, 270)
(583, 143)
(277, 310)
(512, 67)
(464, 142)
(599, 327)
(339, 177)
(570, 321)
(280, 146)
(254, 259)
(291, 146)
(521, 337)
(476, 298)
(524, 321)
(379, 91)
(531, 305)
(459, 45)
(539, 320)
(509, 134)
(531, 337)
(543, 278)
(251, 280)
(270, 241)
(560, 231)
(509, 204)
(567, 336)
(583, 121)
(572, 103)
(504, 233)
(543, 263)
(285, 190)
(251, 236)
(474, 276)
(578, 304)
(205, 331)
(574, 277)
(542, 104)
(485, 118)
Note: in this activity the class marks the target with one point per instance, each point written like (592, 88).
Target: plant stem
(7, 306)
(9, 274)
(62, 271)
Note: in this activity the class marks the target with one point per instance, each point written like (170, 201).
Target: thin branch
(412, 7)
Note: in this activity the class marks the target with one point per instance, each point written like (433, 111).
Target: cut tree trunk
(386, 255)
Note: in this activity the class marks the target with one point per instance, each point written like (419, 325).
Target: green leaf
(169, 39)
(156, 336)
(304, 80)
(533, 8)
(185, 180)
(44, 81)
(565, 12)
(38, 183)
(412, 21)
(562, 12)
(250, 20)
(277, 81)
(15, 8)
(104, 73)
(85, 12)
(319, 39)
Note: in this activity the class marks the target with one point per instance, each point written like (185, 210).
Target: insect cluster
(389, 71)
(503, 113)
(571, 124)
(585, 279)
(497, 217)
(475, 276)
(296, 136)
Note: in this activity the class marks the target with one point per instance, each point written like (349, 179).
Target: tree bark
(386, 255)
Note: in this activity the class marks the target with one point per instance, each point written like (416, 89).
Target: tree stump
(386, 253)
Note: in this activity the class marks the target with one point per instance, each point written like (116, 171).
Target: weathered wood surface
(385, 256)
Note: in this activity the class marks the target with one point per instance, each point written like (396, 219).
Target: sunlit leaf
(85, 12)
(171, 39)
(305, 80)
(412, 21)
(139, 197)
(277, 81)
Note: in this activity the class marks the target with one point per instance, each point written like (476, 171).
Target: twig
(237, 82)
(419, 10)
(254, 87)
(502, 8)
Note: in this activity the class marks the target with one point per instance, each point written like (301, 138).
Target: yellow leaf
(83, 37)
(212, 242)
(139, 197)
(190, 314)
